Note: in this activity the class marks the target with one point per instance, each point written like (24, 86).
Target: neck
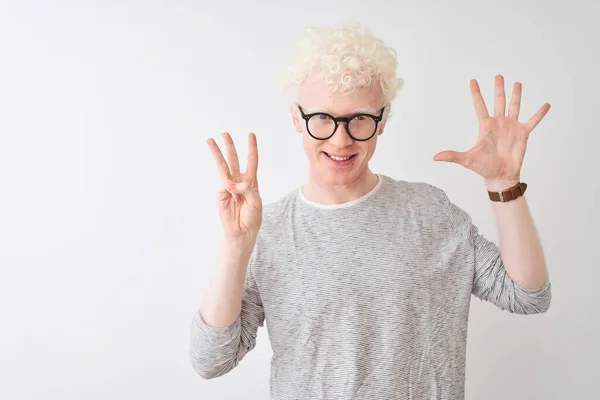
(325, 193)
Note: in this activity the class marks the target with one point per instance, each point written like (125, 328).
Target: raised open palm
(239, 202)
(500, 148)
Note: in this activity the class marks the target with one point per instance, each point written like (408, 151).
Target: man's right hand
(238, 200)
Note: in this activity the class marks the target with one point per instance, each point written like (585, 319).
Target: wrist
(498, 185)
(239, 245)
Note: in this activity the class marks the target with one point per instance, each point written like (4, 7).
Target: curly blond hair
(344, 58)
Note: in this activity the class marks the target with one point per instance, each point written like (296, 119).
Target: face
(315, 97)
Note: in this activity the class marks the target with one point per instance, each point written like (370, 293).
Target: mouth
(340, 159)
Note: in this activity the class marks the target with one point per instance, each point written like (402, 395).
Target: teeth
(336, 158)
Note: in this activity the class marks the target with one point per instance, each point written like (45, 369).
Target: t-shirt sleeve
(491, 282)
(216, 351)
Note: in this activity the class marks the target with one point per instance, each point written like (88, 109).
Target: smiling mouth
(339, 158)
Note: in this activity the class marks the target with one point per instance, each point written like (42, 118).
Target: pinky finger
(537, 117)
(226, 194)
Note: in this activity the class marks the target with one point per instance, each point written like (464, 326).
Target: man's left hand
(498, 154)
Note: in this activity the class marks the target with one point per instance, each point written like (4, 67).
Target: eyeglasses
(360, 127)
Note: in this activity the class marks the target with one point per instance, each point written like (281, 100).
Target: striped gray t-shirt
(364, 300)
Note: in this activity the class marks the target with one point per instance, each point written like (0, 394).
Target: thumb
(246, 190)
(457, 157)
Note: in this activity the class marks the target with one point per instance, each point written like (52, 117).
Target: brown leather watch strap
(508, 194)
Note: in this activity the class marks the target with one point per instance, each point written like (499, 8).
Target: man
(365, 280)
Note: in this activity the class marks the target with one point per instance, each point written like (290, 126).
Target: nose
(341, 138)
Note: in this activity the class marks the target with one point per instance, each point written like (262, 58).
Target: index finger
(219, 159)
(252, 165)
(478, 102)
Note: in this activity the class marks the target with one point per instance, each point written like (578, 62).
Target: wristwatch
(509, 194)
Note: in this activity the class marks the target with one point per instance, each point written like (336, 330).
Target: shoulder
(415, 193)
(279, 208)
(277, 213)
(275, 228)
(426, 203)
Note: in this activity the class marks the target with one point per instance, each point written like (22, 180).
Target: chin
(338, 175)
(337, 178)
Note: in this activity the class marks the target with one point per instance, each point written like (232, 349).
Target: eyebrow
(356, 111)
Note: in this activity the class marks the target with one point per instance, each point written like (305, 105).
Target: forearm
(222, 303)
(520, 247)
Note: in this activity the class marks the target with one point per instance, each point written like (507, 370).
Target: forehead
(315, 96)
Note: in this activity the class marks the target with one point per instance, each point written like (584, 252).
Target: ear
(381, 127)
(386, 115)
(296, 118)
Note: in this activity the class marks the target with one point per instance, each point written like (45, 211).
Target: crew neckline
(342, 205)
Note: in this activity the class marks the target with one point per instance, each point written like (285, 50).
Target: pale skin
(327, 184)
(497, 156)
(240, 211)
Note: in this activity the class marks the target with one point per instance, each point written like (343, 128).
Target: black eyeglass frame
(347, 120)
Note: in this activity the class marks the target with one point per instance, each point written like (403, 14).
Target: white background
(108, 227)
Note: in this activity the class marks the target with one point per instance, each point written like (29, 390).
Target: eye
(360, 117)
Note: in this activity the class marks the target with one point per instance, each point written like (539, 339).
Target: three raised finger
(222, 165)
(252, 164)
(232, 156)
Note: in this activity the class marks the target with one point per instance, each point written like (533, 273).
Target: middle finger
(499, 97)
(232, 157)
